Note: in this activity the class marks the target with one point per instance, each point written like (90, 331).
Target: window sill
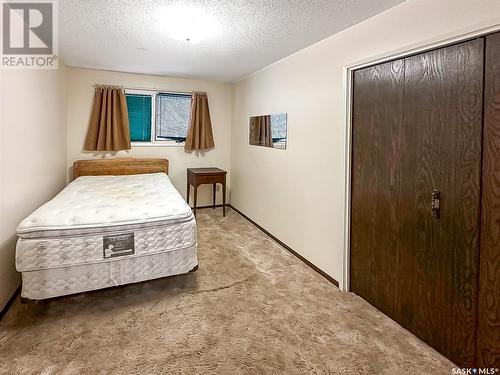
(157, 144)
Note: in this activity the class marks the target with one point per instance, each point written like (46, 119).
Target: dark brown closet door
(439, 270)
(488, 349)
(426, 266)
(377, 145)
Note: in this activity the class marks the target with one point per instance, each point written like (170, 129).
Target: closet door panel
(417, 126)
(377, 145)
(439, 268)
(488, 351)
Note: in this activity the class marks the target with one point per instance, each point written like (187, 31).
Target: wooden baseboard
(290, 250)
(10, 301)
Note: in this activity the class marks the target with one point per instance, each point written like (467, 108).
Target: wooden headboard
(119, 166)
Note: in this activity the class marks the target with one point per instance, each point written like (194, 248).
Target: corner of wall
(231, 121)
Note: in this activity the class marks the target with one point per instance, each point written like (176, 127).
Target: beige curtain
(108, 128)
(199, 135)
(262, 131)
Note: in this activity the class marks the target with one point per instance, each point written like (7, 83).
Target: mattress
(98, 202)
(102, 231)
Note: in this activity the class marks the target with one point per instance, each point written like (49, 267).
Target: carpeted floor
(251, 308)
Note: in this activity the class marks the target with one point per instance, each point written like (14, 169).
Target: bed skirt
(55, 282)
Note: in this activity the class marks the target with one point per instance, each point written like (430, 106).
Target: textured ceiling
(241, 36)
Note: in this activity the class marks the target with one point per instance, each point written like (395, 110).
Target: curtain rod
(143, 88)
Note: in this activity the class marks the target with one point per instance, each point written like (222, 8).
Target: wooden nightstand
(200, 176)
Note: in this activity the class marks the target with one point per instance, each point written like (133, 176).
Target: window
(139, 117)
(158, 117)
(172, 116)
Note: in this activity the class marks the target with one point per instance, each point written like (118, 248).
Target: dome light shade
(187, 22)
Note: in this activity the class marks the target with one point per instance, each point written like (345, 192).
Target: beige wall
(298, 194)
(32, 155)
(80, 96)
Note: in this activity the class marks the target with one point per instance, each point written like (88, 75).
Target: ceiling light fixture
(187, 22)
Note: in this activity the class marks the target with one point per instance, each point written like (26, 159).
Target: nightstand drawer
(210, 179)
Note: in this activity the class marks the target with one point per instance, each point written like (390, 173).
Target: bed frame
(119, 166)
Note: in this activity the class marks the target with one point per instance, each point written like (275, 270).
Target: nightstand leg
(224, 198)
(187, 195)
(214, 189)
(195, 198)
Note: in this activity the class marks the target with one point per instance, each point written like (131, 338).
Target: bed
(119, 221)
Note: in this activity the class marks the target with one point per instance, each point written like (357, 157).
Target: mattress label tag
(118, 245)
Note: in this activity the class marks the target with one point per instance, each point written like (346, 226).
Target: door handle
(435, 203)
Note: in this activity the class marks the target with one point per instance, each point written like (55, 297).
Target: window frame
(153, 142)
